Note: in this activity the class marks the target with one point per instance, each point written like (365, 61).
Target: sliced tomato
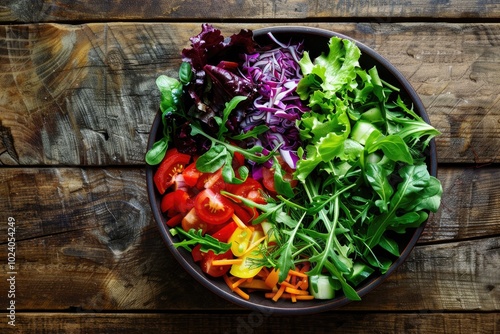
(215, 271)
(224, 233)
(212, 181)
(175, 220)
(197, 254)
(167, 204)
(240, 240)
(244, 213)
(268, 176)
(191, 220)
(212, 207)
(251, 189)
(177, 201)
(268, 179)
(173, 164)
(191, 174)
(238, 160)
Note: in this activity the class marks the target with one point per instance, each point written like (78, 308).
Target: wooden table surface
(77, 100)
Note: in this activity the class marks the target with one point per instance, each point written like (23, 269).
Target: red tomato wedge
(191, 174)
(215, 271)
(224, 233)
(250, 189)
(268, 176)
(212, 207)
(173, 164)
(177, 201)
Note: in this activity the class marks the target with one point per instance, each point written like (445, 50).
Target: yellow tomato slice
(247, 268)
(240, 240)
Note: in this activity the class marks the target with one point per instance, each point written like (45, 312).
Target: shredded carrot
(226, 262)
(297, 273)
(242, 293)
(296, 291)
(255, 284)
(238, 221)
(279, 293)
(273, 278)
(237, 283)
(297, 297)
(228, 281)
(288, 284)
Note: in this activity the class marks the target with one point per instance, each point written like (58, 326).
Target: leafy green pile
(363, 175)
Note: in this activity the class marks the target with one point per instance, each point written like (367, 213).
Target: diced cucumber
(322, 287)
(360, 272)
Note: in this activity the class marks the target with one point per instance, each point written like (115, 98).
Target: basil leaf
(156, 154)
(212, 160)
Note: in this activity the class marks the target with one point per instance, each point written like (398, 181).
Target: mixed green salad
(272, 163)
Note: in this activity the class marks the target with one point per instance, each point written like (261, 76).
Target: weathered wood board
(376, 10)
(248, 322)
(85, 94)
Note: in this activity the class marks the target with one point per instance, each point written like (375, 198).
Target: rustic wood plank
(241, 323)
(86, 240)
(94, 10)
(85, 95)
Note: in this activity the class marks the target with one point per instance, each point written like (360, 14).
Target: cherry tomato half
(177, 201)
(250, 189)
(215, 271)
(171, 165)
(268, 176)
(212, 207)
(224, 233)
(191, 174)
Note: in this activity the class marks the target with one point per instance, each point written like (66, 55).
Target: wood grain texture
(86, 241)
(85, 95)
(377, 10)
(244, 323)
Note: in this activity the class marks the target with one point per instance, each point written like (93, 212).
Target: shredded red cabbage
(276, 73)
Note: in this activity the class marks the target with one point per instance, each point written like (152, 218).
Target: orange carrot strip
(237, 283)
(269, 294)
(256, 284)
(279, 293)
(238, 221)
(296, 273)
(226, 262)
(228, 282)
(293, 298)
(273, 278)
(241, 293)
(296, 291)
(287, 284)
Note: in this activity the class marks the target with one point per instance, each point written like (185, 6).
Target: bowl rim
(316, 306)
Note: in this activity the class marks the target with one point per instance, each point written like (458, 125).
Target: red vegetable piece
(172, 164)
(191, 174)
(212, 207)
(215, 271)
(225, 232)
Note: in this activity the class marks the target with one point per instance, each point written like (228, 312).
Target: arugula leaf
(194, 237)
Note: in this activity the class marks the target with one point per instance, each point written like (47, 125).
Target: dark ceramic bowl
(315, 42)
